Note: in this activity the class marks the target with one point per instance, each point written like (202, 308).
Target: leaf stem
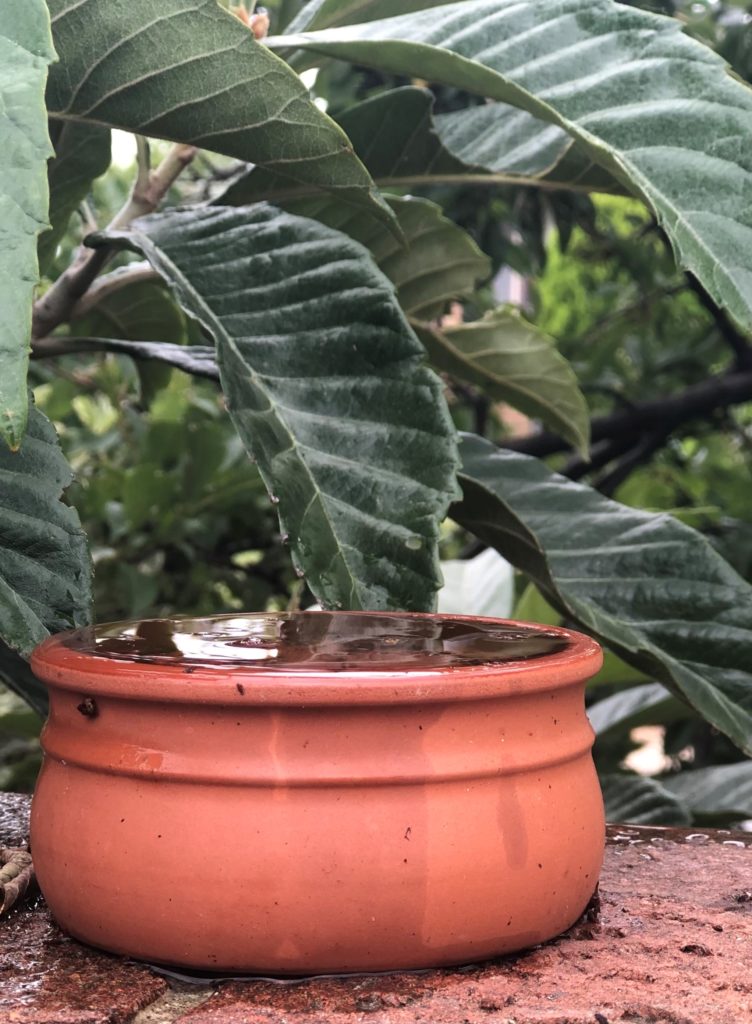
(199, 360)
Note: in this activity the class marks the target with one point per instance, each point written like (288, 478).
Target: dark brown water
(318, 641)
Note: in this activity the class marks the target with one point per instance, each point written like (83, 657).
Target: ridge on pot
(317, 792)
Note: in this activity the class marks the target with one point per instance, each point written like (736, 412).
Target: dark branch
(600, 455)
(736, 341)
(663, 414)
(199, 360)
(642, 452)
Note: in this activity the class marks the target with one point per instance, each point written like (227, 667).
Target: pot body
(382, 823)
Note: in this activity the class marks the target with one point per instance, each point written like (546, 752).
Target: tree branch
(665, 414)
(199, 360)
(640, 453)
(736, 341)
(108, 284)
(600, 455)
(150, 187)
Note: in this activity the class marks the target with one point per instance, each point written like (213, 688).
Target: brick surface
(672, 945)
(47, 978)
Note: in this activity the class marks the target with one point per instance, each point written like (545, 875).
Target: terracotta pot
(323, 792)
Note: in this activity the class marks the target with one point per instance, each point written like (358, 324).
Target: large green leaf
(403, 145)
(188, 70)
(45, 583)
(438, 262)
(506, 356)
(533, 606)
(324, 384)
(82, 153)
(641, 801)
(722, 791)
(25, 51)
(512, 361)
(652, 588)
(653, 106)
(325, 13)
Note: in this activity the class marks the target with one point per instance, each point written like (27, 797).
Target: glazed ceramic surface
(319, 792)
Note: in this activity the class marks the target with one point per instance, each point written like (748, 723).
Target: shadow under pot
(317, 792)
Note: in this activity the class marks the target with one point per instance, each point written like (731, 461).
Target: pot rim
(64, 668)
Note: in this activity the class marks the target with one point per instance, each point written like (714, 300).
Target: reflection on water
(320, 641)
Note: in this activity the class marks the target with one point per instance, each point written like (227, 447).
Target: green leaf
(641, 801)
(533, 606)
(438, 262)
(188, 71)
(654, 107)
(513, 361)
(649, 704)
(25, 52)
(325, 13)
(650, 587)
(403, 145)
(498, 143)
(82, 153)
(324, 384)
(45, 583)
(502, 353)
(723, 791)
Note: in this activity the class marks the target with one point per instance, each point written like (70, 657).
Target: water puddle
(636, 835)
(319, 641)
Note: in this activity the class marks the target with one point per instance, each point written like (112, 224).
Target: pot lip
(63, 668)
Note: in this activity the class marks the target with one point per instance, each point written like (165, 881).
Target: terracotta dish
(317, 792)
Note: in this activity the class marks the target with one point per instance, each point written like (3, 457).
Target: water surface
(318, 641)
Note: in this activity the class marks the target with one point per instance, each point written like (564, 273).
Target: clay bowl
(317, 792)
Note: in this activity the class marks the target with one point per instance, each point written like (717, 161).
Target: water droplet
(414, 543)
(274, 499)
(285, 538)
(300, 573)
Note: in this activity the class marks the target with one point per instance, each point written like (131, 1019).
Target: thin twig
(150, 187)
